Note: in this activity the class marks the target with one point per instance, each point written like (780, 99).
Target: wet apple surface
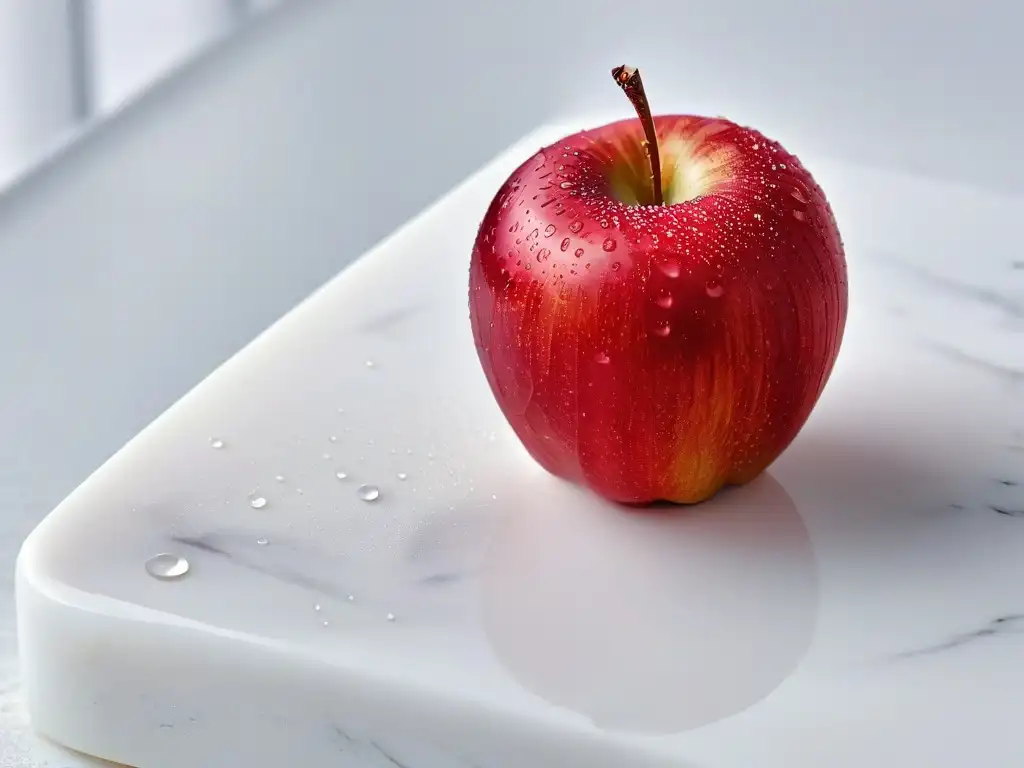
(658, 351)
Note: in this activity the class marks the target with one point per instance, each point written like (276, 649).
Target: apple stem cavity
(629, 80)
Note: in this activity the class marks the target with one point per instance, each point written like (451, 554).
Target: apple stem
(629, 80)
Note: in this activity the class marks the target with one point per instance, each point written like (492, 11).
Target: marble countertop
(885, 542)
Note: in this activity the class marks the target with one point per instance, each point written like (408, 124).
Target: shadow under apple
(652, 622)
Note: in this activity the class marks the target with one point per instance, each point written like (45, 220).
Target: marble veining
(371, 754)
(240, 550)
(1012, 307)
(389, 321)
(1008, 624)
(1010, 375)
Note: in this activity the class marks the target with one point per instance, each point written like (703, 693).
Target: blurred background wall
(927, 85)
(64, 63)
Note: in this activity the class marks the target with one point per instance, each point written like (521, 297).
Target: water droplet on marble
(609, 244)
(257, 502)
(341, 475)
(403, 476)
(370, 364)
(391, 617)
(166, 566)
(714, 289)
(351, 598)
(368, 492)
(262, 541)
(317, 607)
(279, 478)
(333, 438)
(216, 442)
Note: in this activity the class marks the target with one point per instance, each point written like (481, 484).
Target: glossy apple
(658, 346)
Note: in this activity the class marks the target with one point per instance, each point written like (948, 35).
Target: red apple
(658, 303)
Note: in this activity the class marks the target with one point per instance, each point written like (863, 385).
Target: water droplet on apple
(549, 230)
(602, 358)
(664, 300)
(662, 329)
(615, 266)
(670, 268)
(576, 226)
(579, 252)
(714, 289)
(757, 216)
(799, 196)
(565, 244)
(542, 254)
(535, 233)
(756, 146)
(609, 244)
(566, 185)
(799, 215)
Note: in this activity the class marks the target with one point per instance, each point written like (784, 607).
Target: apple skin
(658, 352)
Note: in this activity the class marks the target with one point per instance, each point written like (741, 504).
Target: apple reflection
(653, 621)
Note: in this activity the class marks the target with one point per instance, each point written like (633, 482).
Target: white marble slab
(861, 604)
